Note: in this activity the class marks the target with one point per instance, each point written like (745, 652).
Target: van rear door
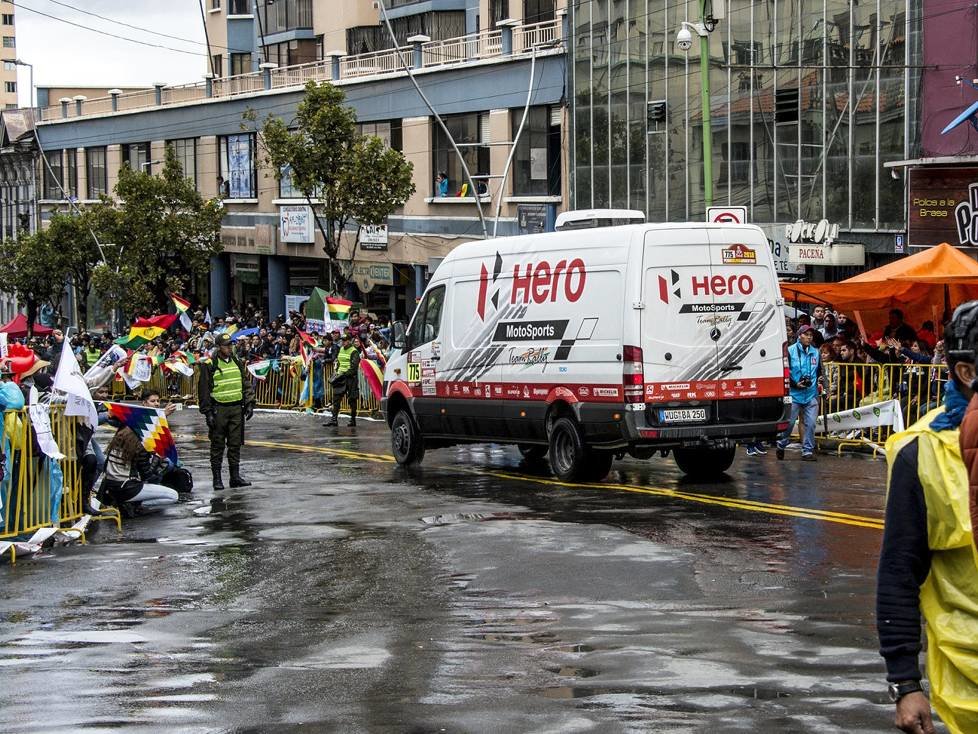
(750, 320)
(677, 323)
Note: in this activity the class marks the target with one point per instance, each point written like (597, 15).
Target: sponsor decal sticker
(414, 372)
(739, 255)
(606, 392)
(530, 331)
(529, 357)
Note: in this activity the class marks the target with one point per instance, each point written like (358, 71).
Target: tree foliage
(163, 234)
(344, 176)
(34, 267)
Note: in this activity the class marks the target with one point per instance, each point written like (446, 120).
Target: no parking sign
(726, 214)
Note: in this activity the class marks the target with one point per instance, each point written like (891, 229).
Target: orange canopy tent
(924, 286)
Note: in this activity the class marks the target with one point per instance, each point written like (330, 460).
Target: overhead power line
(106, 33)
(144, 29)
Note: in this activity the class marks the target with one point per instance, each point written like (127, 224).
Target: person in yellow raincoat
(928, 561)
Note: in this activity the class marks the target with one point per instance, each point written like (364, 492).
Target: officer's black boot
(236, 479)
(353, 416)
(218, 482)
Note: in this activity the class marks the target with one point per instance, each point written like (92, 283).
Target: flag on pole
(374, 376)
(338, 308)
(182, 305)
(150, 425)
(207, 317)
(69, 380)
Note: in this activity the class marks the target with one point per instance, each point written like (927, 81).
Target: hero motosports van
(595, 343)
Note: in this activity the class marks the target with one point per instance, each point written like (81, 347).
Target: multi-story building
(808, 103)
(476, 61)
(8, 52)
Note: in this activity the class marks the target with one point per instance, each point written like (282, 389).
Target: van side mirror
(400, 331)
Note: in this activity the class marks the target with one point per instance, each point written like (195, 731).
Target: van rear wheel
(407, 444)
(570, 458)
(703, 463)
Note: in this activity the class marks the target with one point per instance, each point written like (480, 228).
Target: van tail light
(633, 374)
(787, 368)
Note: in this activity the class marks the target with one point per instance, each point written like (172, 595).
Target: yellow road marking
(769, 508)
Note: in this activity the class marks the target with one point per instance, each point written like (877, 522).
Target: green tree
(72, 235)
(354, 178)
(163, 235)
(34, 268)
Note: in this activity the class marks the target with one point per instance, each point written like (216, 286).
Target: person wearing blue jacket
(805, 374)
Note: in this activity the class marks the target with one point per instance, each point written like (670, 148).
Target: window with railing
(285, 15)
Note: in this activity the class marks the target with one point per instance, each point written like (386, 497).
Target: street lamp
(147, 164)
(20, 62)
(684, 41)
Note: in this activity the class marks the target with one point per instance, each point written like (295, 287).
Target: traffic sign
(727, 214)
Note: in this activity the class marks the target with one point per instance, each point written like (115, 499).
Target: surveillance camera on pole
(684, 36)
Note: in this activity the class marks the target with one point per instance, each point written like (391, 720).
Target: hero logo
(539, 282)
(664, 287)
(707, 285)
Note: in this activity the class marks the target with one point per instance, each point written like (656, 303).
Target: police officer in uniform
(227, 400)
(346, 381)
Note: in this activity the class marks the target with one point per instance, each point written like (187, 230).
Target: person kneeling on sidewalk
(131, 473)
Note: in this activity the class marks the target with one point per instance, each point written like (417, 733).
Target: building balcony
(485, 47)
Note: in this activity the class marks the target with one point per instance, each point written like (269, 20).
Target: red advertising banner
(943, 207)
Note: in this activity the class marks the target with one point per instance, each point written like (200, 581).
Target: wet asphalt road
(342, 593)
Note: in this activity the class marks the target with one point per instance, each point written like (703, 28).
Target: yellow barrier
(28, 505)
(918, 388)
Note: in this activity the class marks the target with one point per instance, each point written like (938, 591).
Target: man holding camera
(806, 374)
(227, 400)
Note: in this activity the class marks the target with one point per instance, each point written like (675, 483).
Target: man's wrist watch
(899, 690)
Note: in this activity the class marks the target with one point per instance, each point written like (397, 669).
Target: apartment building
(8, 52)
(476, 61)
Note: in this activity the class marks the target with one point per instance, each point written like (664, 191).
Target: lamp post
(708, 22)
(20, 62)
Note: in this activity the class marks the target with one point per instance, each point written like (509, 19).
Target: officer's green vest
(343, 359)
(227, 382)
(92, 356)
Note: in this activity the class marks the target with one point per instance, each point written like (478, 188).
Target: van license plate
(682, 415)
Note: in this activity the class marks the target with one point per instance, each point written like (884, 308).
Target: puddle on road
(102, 637)
(464, 517)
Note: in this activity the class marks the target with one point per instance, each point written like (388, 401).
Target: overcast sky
(63, 55)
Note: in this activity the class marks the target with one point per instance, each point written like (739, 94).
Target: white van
(595, 343)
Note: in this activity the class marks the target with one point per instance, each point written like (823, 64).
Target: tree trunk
(31, 304)
(81, 300)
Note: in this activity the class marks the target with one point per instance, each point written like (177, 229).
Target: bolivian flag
(374, 376)
(182, 305)
(338, 308)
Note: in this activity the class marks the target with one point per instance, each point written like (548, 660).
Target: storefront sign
(367, 275)
(258, 240)
(296, 225)
(838, 253)
(293, 303)
(373, 237)
(943, 207)
(820, 232)
(779, 251)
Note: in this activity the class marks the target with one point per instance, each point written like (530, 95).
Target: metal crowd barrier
(918, 388)
(28, 504)
(282, 388)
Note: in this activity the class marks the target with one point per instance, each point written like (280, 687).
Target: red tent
(17, 327)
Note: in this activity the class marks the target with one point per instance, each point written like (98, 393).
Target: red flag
(165, 321)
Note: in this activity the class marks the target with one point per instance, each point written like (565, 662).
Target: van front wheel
(406, 441)
(704, 463)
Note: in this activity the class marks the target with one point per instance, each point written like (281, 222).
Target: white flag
(207, 317)
(101, 372)
(186, 322)
(41, 418)
(69, 380)
(3, 344)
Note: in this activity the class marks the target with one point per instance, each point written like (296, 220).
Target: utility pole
(705, 100)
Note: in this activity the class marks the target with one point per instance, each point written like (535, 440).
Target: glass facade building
(809, 98)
